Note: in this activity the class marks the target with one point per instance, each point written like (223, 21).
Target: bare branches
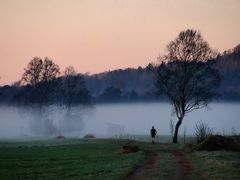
(33, 71)
(39, 70)
(187, 78)
(50, 70)
(188, 46)
(202, 131)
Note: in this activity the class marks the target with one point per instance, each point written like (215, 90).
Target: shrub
(60, 136)
(217, 142)
(202, 131)
(129, 149)
(89, 136)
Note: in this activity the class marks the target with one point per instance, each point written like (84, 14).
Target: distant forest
(138, 84)
(122, 85)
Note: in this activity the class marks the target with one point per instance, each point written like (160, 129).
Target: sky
(102, 35)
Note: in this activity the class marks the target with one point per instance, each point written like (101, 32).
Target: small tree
(69, 71)
(74, 89)
(187, 79)
(202, 131)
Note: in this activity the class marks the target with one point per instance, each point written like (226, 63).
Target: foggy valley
(112, 120)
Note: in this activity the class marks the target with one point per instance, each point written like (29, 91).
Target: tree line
(188, 76)
(40, 85)
(130, 84)
(138, 84)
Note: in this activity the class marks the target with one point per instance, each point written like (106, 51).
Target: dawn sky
(101, 35)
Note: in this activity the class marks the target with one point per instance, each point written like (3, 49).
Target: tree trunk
(175, 138)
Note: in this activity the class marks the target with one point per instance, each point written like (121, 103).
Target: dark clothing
(153, 132)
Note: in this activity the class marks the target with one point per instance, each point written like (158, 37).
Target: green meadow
(103, 159)
(66, 159)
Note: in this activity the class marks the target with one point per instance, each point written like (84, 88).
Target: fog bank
(106, 120)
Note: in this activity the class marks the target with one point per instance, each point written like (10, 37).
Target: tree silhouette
(69, 71)
(32, 74)
(49, 70)
(38, 70)
(74, 90)
(39, 77)
(187, 78)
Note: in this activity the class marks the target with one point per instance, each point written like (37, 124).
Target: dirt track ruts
(163, 161)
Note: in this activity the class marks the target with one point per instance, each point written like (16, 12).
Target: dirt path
(163, 161)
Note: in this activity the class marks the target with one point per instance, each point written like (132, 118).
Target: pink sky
(101, 35)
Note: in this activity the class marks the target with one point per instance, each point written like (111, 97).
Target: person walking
(153, 134)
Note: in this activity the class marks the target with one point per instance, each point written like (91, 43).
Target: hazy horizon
(96, 36)
(106, 120)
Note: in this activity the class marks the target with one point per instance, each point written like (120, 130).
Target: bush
(89, 136)
(217, 142)
(60, 136)
(129, 149)
(202, 131)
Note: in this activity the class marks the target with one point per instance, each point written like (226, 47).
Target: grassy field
(215, 164)
(102, 159)
(66, 159)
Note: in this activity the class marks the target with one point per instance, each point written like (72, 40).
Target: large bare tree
(39, 74)
(186, 76)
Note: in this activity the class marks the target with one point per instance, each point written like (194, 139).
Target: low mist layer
(106, 120)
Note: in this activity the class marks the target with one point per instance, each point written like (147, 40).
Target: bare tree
(50, 70)
(74, 88)
(69, 71)
(187, 78)
(38, 70)
(39, 74)
(202, 131)
(32, 74)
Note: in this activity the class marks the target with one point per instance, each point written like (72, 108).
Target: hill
(130, 84)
